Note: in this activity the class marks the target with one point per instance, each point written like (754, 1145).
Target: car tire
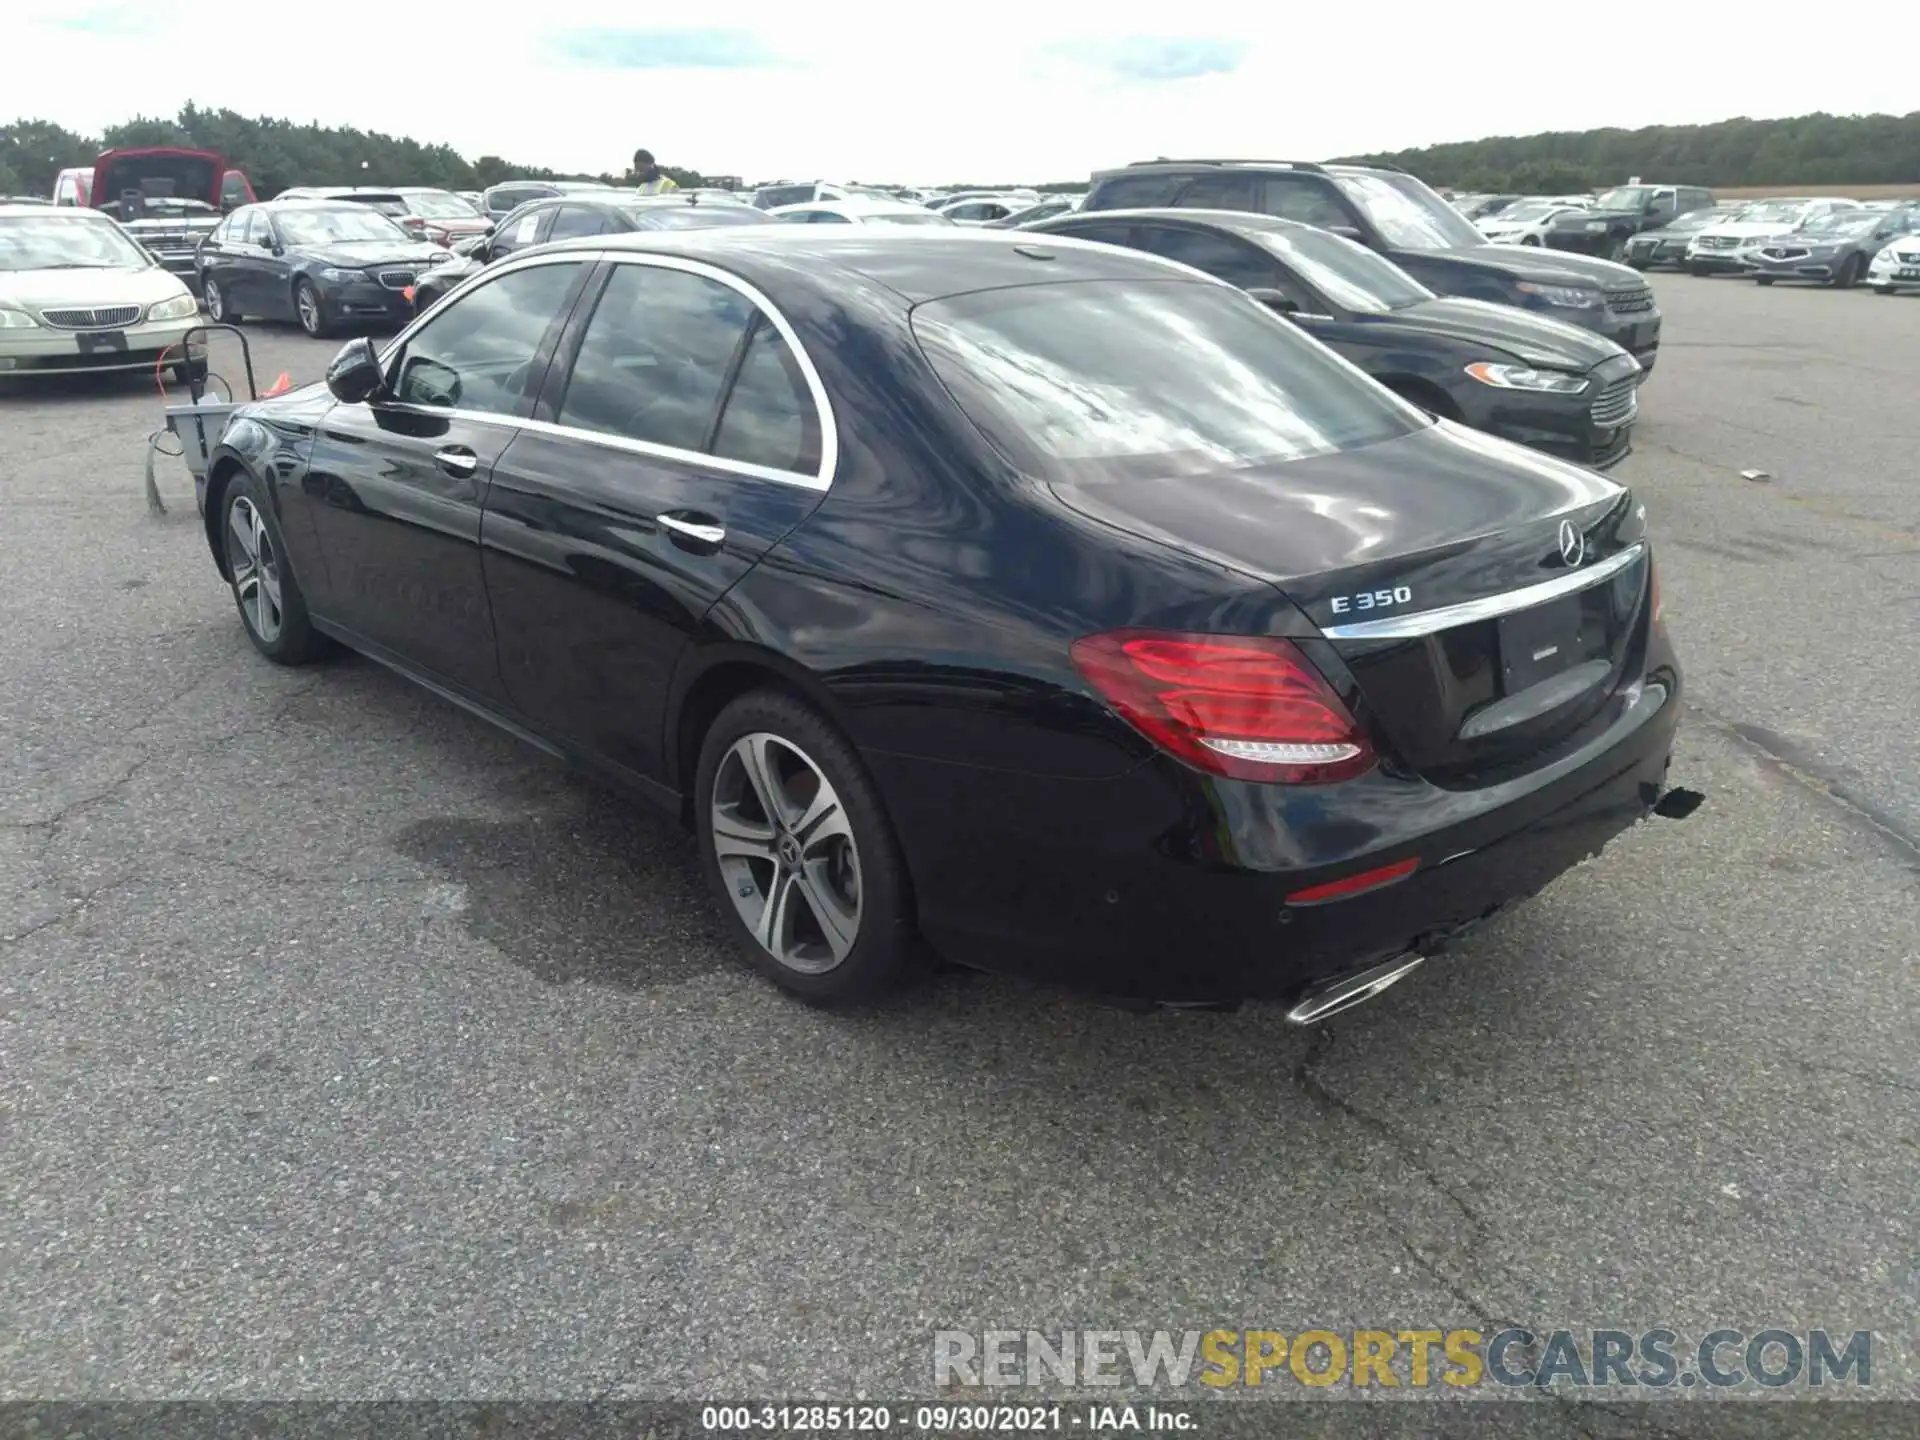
(1617, 249)
(1529, 239)
(309, 311)
(798, 849)
(276, 623)
(1700, 270)
(1849, 275)
(1763, 279)
(214, 301)
(1881, 289)
(190, 372)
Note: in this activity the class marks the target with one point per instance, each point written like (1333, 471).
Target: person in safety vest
(649, 178)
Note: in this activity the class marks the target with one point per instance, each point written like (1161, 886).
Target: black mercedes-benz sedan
(1050, 602)
(325, 264)
(1524, 377)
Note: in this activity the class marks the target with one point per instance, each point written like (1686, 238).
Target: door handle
(703, 537)
(457, 460)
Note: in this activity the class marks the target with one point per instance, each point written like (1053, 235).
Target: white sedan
(77, 295)
(858, 212)
(1896, 267)
(1525, 222)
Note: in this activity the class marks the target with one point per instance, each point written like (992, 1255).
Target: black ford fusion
(1045, 600)
(325, 264)
(1524, 377)
(1394, 213)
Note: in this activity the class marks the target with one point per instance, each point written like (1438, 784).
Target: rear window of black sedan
(1082, 379)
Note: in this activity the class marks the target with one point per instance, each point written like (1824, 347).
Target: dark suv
(1613, 219)
(1397, 215)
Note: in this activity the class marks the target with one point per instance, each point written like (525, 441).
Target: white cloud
(991, 90)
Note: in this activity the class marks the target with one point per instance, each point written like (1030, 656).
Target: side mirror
(1347, 232)
(1274, 301)
(354, 375)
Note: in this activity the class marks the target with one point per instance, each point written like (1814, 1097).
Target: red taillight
(1248, 707)
(1354, 884)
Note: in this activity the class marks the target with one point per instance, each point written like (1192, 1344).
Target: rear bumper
(1162, 885)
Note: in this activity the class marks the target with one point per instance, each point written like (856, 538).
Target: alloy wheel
(308, 305)
(256, 569)
(787, 853)
(216, 302)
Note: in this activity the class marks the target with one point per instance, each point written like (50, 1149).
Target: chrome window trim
(821, 480)
(1429, 622)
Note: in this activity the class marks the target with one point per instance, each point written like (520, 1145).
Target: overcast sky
(986, 90)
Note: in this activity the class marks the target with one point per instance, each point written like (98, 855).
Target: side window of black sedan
(770, 417)
(477, 354)
(655, 355)
(655, 360)
(1218, 256)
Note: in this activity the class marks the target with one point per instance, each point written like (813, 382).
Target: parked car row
(1827, 240)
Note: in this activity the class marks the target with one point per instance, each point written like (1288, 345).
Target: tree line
(1816, 149)
(274, 153)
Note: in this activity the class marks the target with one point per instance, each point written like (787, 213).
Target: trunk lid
(1435, 568)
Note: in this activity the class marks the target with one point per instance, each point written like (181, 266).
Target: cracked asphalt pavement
(350, 1049)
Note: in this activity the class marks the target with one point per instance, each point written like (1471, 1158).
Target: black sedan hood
(1536, 339)
(1538, 264)
(359, 254)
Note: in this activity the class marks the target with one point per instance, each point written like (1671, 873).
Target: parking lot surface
(350, 1049)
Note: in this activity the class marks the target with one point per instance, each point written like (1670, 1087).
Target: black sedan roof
(914, 265)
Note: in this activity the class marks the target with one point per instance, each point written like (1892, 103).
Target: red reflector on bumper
(1355, 884)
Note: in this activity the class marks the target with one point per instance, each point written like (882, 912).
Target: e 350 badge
(1372, 600)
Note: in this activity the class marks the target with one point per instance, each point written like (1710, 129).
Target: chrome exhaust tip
(1343, 992)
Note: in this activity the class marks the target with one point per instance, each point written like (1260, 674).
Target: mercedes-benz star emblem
(1573, 545)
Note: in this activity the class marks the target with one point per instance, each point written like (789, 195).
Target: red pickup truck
(158, 172)
(167, 197)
